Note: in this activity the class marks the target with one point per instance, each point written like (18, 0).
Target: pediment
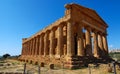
(89, 12)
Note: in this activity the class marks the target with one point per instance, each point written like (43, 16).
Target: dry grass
(18, 66)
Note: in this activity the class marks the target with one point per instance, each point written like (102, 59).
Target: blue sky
(23, 18)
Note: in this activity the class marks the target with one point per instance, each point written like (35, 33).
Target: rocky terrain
(11, 66)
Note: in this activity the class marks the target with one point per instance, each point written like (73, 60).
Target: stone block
(51, 66)
(42, 64)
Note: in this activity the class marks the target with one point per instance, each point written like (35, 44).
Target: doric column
(32, 40)
(41, 48)
(25, 48)
(36, 40)
(37, 46)
(30, 47)
(70, 39)
(100, 44)
(60, 41)
(96, 52)
(52, 41)
(84, 41)
(22, 49)
(80, 41)
(105, 44)
(46, 44)
(88, 42)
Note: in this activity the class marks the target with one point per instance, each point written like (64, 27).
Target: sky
(23, 18)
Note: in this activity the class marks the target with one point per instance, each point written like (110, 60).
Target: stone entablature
(80, 33)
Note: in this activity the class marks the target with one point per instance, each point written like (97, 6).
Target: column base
(73, 62)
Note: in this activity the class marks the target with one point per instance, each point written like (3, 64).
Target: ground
(14, 66)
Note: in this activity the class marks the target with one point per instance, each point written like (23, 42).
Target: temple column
(27, 48)
(88, 42)
(41, 48)
(32, 47)
(84, 41)
(33, 52)
(23, 49)
(105, 45)
(52, 42)
(37, 46)
(60, 41)
(100, 44)
(70, 39)
(80, 41)
(46, 44)
(96, 51)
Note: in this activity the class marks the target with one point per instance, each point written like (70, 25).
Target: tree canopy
(6, 55)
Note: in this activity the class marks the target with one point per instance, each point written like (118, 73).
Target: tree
(6, 55)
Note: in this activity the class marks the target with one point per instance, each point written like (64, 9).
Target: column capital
(88, 28)
(94, 31)
(71, 21)
(54, 28)
(62, 24)
(48, 31)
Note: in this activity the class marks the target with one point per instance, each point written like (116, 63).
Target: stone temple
(76, 39)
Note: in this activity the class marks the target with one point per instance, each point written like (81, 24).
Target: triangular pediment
(91, 13)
